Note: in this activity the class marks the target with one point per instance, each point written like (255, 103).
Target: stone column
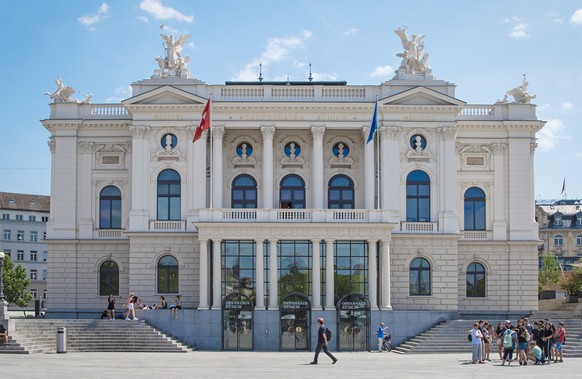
(329, 276)
(217, 190)
(448, 216)
(273, 281)
(317, 186)
(316, 275)
(217, 274)
(385, 272)
(390, 173)
(369, 171)
(498, 198)
(373, 273)
(204, 285)
(140, 179)
(268, 133)
(86, 150)
(259, 275)
(198, 165)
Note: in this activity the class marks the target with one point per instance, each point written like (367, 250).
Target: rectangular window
(33, 256)
(19, 218)
(44, 294)
(32, 218)
(20, 235)
(33, 236)
(44, 256)
(33, 274)
(5, 216)
(20, 255)
(44, 274)
(43, 235)
(33, 293)
(44, 219)
(7, 234)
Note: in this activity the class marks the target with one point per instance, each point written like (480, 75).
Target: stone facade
(284, 187)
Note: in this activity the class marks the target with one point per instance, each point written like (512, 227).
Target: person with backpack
(323, 337)
(509, 342)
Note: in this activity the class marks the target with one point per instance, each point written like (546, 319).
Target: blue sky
(102, 47)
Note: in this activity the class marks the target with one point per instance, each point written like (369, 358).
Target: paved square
(266, 365)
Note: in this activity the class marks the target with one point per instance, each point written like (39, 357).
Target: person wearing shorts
(560, 339)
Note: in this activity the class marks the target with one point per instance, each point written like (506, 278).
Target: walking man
(322, 341)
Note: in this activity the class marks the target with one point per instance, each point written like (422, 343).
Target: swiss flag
(204, 122)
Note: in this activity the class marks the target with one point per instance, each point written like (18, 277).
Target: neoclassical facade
(282, 212)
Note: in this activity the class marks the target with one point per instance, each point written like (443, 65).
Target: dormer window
(558, 219)
(579, 219)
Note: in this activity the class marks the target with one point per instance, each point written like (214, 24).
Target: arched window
(474, 209)
(340, 194)
(169, 195)
(109, 278)
(420, 277)
(110, 208)
(244, 192)
(417, 197)
(292, 192)
(475, 280)
(168, 275)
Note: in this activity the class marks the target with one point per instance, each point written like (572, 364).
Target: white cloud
(576, 17)
(382, 71)
(351, 31)
(276, 50)
(91, 19)
(157, 10)
(555, 16)
(543, 107)
(120, 94)
(519, 29)
(566, 107)
(551, 135)
(578, 155)
(321, 76)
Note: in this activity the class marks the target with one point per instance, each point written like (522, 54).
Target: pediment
(422, 96)
(165, 95)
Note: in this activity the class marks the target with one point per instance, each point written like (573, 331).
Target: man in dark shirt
(3, 335)
(322, 342)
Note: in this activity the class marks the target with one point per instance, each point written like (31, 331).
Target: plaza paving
(267, 365)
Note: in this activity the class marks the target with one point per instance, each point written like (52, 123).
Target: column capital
(318, 132)
(392, 131)
(448, 132)
(218, 132)
(140, 131)
(52, 144)
(268, 132)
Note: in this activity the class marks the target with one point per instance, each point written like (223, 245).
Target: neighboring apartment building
(285, 213)
(23, 227)
(561, 230)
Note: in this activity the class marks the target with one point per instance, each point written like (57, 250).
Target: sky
(101, 47)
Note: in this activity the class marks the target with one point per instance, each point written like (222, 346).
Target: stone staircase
(40, 336)
(451, 337)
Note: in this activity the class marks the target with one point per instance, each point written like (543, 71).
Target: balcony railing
(419, 227)
(167, 226)
(477, 235)
(294, 215)
(108, 234)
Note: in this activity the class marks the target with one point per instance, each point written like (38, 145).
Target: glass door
(237, 316)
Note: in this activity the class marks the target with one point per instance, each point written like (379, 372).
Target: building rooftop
(24, 202)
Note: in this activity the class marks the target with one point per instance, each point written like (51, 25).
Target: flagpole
(211, 157)
(378, 164)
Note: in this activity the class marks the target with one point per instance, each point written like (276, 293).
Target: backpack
(527, 336)
(469, 337)
(507, 340)
(328, 334)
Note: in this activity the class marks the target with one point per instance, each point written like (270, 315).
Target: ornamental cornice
(163, 107)
(418, 108)
(51, 125)
(106, 125)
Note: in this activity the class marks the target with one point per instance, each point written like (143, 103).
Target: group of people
(133, 302)
(540, 343)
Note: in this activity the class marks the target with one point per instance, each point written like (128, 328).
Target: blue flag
(374, 125)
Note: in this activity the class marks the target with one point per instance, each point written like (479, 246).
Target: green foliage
(549, 273)
(15, 283)
(572, 281)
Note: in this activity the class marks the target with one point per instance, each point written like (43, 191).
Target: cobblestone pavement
(267, 365)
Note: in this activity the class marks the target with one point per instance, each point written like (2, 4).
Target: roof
(25, 202)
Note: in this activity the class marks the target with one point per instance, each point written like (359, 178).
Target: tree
(15, 283)
(550, 272)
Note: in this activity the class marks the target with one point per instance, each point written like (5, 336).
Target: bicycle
(387, 344)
